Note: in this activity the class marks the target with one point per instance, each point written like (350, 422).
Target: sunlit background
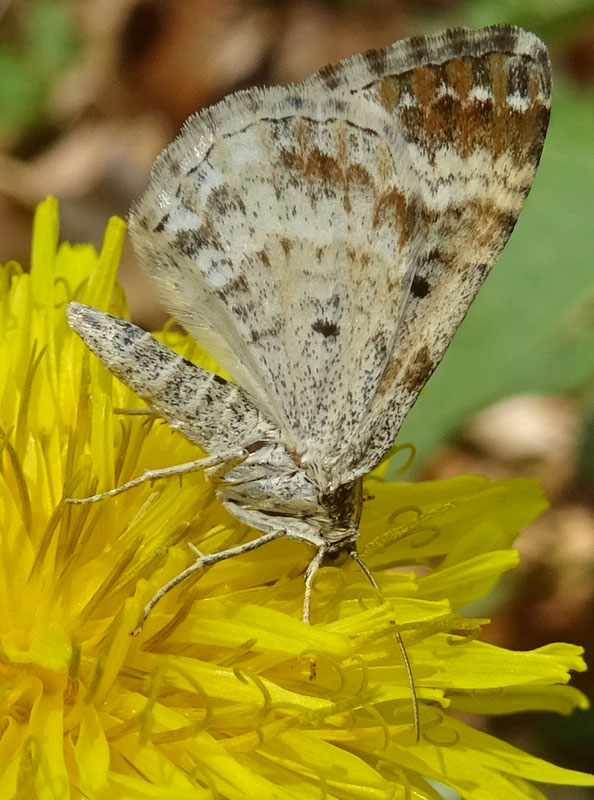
(89, 94)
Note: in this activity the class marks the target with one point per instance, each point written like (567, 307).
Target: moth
(323, 242)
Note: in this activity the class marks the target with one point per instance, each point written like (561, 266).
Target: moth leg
(226, 463)
(218, 463)
(313, 567)
(201, 562)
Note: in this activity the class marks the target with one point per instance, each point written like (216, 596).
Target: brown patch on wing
(390, 375)
(317, 164)
(388, 92)
(498, 75)
(356, 173)
(446, 112)
(262, 256)
(416, 372)
(391, 208)
(325, 175)
(425, 85)
(459, 77)
(419, 370)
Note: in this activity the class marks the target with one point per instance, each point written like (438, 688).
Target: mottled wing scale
(325, 241)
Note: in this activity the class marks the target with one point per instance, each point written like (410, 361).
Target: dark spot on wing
(191, 241)
(222, 199)
(174, 166)
(161, 225)
(326, 328)
(296, 102)
(377, 61)
(508, 222)
(420, 286)
(330, 75)
(433, 255)
(263, 257)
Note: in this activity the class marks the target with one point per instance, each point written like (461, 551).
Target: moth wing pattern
(473, 108)
(325, 241)
(269, 230)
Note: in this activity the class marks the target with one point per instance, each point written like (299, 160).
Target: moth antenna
(411, 681)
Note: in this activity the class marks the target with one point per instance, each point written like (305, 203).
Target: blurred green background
(89, 94)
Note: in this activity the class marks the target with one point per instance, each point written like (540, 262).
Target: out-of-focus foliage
(31, 58)
(551, 19)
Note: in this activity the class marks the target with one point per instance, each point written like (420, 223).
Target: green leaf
(22, 93)
(550, 19)
(51, 38)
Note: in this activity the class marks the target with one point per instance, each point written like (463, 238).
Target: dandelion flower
(216, 697)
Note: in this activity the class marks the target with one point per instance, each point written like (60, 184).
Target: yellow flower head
(226, 693)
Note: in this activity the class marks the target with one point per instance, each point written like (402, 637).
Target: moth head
(338, 554)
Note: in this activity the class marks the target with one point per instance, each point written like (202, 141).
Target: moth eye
(336, 557)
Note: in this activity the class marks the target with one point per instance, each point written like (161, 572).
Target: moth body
(324, 242)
